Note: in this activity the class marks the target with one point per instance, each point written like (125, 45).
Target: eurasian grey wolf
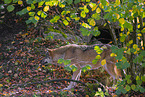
(82, 55)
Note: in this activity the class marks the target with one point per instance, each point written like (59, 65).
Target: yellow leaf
(138, 49)
(117, 2)
(20, 2)
(138, 38)
(128, 33)
(121, 20)
(92, 22)
(98, 10)
(131, 41)
(12, 42)
(135, 52)
(87, 96)
(43, 65)
(122, 29)
(135, 46)
(103, 62)
(117, 15)
(139, 34)
(37, 18)
(94, 8)
(141, 10)
(1, 85)
(113, 54)
(46, 8)
(28, 8)
(121, 34)
(27, 41)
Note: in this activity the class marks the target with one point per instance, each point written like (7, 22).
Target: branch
(49, 81)
(99, 83)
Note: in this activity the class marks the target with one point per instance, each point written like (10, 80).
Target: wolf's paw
(66, 88)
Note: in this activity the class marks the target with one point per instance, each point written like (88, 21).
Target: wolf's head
(48, 59)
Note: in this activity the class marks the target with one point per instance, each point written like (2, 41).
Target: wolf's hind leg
(76, 76)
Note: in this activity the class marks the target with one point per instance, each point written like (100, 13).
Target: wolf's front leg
(76, 76)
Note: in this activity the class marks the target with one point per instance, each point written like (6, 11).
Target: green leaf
(122, 38)
(68, 68)
(96, 48)
(39, 13)
(7, 1)
(29, 1)
(84, 69)
(74, 68)
(65, 22)
(125, 65)
(138, 59)
(139, 82)
(67, 62)
(137, 78)
(43, 15)
(133, 87)
(118, 92)
(32, 6)
(123, 91)
(95, 61)
(143, 64)
(96, 16)
(96, 32)
(86, 9)
(122, 82)
(22, 12)
(119, 56)
(10, 8)
(143, 30)
(69, 1)
(127, 88)
(34, 21)
(77, 1)
(104, 2)
(143, 78)
(114, 49)
(98, 57)
(15, 1)
(128, 25)
(60, 61)
(141, 89)
(31, 13)
(86, 25)
(55, 19)
(127, 77)
(28, 21)
(143, 53)
(64, 12)
(84, 31)
(83, 14)
(119, 65)
(40, 3)
(73, 15)
(88, 66)
(129, 81)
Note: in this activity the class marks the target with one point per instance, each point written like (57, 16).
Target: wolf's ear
(50, 50)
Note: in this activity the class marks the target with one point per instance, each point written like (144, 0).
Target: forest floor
(21, 53)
